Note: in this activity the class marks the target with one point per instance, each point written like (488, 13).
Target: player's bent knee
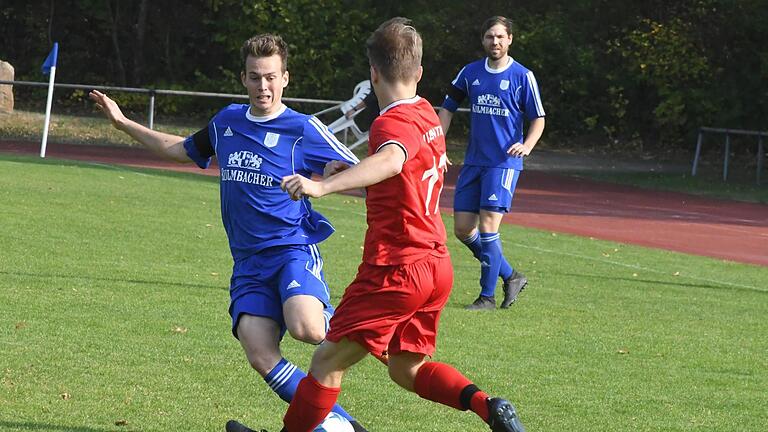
(462, 233)
(261, 363)
(307, 333)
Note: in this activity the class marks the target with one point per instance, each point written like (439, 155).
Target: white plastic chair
(345, 124)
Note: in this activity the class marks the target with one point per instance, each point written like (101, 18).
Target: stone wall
(6, 90)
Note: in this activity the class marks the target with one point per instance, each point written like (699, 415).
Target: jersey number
(433, 175)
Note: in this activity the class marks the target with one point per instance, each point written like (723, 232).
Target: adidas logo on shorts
(493, 198)
(293, 285)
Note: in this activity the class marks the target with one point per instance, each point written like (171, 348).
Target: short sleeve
(532, 99)
(457, 91)
(199, 146)
(397, 131)
(319, 146)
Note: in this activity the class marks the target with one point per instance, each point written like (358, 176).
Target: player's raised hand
(298, 186)
(334, 167)
(108, 107)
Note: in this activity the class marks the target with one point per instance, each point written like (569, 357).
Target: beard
(495, 56)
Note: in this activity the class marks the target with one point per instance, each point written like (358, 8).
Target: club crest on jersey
(244, 159)
(504, 84)
(270, 140)
(489, 100)
(489, 104)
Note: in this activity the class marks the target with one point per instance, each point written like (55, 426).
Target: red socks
(311, 403)
(441, 383)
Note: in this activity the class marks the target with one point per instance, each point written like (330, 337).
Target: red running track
(722, 229)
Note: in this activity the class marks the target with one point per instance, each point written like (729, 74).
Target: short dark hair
(492, 21)
(395, 50)
(265, 45)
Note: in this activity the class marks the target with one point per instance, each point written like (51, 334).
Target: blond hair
(395, 50)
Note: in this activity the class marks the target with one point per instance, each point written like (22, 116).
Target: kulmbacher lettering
(246, 177)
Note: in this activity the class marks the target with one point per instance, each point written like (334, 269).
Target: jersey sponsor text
(246, 177)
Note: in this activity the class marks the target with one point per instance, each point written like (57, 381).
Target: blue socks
(490, 261)
(283, 380)
(490, 244)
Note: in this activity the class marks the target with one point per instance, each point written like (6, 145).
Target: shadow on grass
(105, 279)
(4, 425)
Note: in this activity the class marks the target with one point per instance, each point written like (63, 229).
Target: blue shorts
(262, 282)
(485, 188)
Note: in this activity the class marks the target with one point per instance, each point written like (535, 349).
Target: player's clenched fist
(298, 186)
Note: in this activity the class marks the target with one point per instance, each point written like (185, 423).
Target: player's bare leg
(260, 339)
(304, 319)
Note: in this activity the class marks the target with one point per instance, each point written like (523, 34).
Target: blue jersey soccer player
(277, 280)
(502, 95)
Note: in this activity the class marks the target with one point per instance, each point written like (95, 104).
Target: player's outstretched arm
(167, 145)
(386, 163)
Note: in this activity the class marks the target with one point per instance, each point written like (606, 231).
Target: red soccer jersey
(404, 222)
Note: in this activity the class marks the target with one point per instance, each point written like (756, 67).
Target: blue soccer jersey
(500, 101)
(254, 154)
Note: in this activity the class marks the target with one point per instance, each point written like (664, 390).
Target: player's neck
(388, 93)
(260, 112)
(499, 63)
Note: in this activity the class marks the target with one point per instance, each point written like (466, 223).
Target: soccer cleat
(357, 426)
(234, 426)
(513, 285)
(502, 416)
(482, 303)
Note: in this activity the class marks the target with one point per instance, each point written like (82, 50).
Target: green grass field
(113, 317)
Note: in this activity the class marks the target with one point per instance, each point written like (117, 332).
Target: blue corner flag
(50, 61)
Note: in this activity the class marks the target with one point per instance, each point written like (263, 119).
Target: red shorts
(391, 309)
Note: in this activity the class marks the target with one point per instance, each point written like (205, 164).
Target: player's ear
(374, 75)
(419, 73)
(242, 78)
(285, 79)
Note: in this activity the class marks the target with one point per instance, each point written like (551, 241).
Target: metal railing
(152, 93)
(727, 151)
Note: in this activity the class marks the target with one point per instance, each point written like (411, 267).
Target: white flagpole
(48, 112)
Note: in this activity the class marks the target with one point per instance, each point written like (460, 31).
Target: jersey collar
(501, 69)
(261, 119)
(412, 100)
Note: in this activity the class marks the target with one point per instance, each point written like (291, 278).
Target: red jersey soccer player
(393, 306)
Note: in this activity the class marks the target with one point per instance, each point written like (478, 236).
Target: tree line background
(623, 74)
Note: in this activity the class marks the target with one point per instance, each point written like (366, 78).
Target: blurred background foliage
(617, 74)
